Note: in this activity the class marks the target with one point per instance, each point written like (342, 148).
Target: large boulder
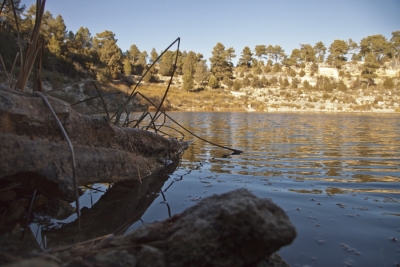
(34, 152)
(232, 229)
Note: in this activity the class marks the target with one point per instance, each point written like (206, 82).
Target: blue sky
(201, 24)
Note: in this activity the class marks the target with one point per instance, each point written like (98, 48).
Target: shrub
(295, 82)
(378, 99)
(388, 83)
(302, 73)
(306, 85)
(245, 82)
(356, 83)
(292, 73)
(342, 86)
(326, 96)
(236, 85)
(212, 82)
(103, 75)
(267, 69)
(257, 70)
(277, 68)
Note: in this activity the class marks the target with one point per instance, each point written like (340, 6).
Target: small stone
(7, 196)
(39, 201)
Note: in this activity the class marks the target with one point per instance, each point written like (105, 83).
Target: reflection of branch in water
(166, 203)
(176, 180)
(180, 179)
(121, 206)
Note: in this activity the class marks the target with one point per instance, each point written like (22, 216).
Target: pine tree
(7, 15)
(148, 77)
(307, 53)
(275, 52)
(167, 63)
(212, 82)
(189, 63)
(187, 81)
(369, 68)
(153, 55)
(201, 72)
(261, 51)
(338, 51)
(127, 67)
(221, 64)
(395, 40)
(134, 53)
(246, 57)
(320, 51)
(109, 53)
(375, 45)
(54, 46)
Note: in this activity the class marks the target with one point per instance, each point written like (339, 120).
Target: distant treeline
(81, 55)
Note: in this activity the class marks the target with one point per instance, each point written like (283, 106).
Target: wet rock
(149, 256)
(273, 261)
(7, 196)
(16, 243)
(232, 229)
(39, 201)
(116, 258)
(59, 209)
(33, 263)
(14, 213)
(34, 153)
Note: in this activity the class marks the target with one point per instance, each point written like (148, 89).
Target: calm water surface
(336, 175)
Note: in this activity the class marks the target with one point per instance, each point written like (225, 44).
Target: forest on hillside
(66, 55)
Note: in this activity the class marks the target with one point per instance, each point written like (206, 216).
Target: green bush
(388, 83)
(342, 86)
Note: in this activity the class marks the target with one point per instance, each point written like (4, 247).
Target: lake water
(336, 175)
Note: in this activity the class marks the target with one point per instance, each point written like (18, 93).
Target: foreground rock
(34, 152)
(232, 229)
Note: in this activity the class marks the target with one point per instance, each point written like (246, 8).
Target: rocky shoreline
(231, 229)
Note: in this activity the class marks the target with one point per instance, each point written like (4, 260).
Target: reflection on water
(320, 147)
(120, 206)
(336, 175)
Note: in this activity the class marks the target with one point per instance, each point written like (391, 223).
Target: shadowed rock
(232, 229)
(34, 152)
